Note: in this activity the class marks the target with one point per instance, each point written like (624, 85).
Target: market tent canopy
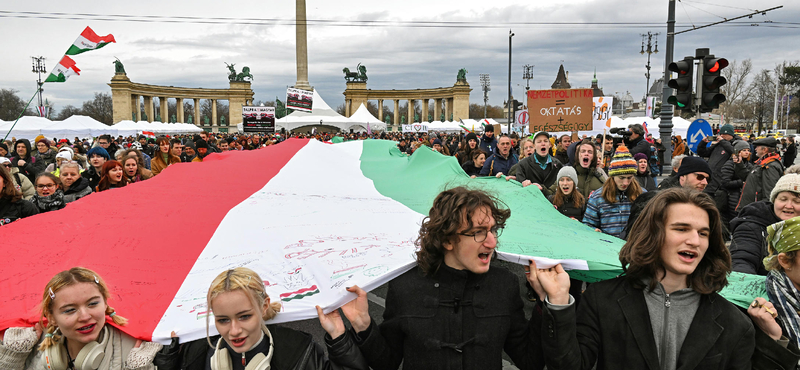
(78, 126)
(29, 127)
(363, 117)
(321, 114)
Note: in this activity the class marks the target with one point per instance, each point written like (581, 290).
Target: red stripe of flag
(68, 63)
(301, 291)
(143, 239)
(89, 34)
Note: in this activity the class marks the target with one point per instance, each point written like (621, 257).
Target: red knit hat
(622, 163)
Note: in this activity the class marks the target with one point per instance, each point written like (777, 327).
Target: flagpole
(23, 112)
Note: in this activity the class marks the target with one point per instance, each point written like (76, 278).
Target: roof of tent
(80, 126)
(362, 117)
(321, 114)
(29, 127)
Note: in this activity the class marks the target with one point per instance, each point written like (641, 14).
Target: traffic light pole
(665, 126)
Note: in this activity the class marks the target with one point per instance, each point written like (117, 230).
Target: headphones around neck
(89, 358)
(222, 361)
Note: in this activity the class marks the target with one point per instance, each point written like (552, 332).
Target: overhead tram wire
(329, 22)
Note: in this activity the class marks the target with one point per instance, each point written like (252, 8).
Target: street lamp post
(527, 75)
(649, 51)
(508, 105)
(486, 86)
(39, 68)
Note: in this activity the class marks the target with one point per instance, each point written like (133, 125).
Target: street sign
(698, 130)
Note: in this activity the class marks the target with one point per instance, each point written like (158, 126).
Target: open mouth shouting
(238, 342)
(485, 257)
(88, 329)
(585, 161)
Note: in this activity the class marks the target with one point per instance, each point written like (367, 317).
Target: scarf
(784, 296)
(767, 159)
(49, 203)
(165, 156)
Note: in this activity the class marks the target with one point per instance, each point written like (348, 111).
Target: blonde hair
(75, 275)
(522, 147)
(245, 279)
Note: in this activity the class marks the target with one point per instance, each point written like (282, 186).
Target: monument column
(164, 109)
(448, 106)
(136, 107)
(196, 118)
(148, 107)
(396, 111)
(214, 112)
(380, 110)
(410, 111)
(425, 103)
(347, 103)
(301, 46)
(179, 109)
(437, 109)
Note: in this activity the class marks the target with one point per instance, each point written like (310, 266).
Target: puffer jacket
(12, 211)
(733, 184)
(749, 244)
(590, 179)
(78, 190)
(760, 180)
(293, 350)
(717, 154)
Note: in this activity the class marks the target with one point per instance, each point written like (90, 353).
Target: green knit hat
(622, 163)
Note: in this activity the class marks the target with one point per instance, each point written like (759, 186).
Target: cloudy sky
(404, 44)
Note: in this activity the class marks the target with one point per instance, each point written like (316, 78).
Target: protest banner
(301, 100)
(560, 110)
(651, 101)
(258, 119)
(521, 119)
(601, 112)
(416, 127)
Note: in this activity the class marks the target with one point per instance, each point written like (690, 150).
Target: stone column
(380, 110)
(396, 112)
(301, 45)
(214, 112)
(448, 106)
(410, 117)
(347, 103)
(437, 109)
(136, 107)
(197, 113)
(425, 103)
(148, 107)
(179, 110)
(163, 101)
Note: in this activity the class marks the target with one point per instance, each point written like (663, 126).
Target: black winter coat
(790, 155)
(530, 170)
(717, 154)
(732, 184)
(639, 145)
(92, 176)
(673, 181)
(294, 350)
(646, 181)
(759, 181)
(78, 190)
(749, 243)
(470, 169)
(31, 167)
(568, 208)
(12, 211)
(453, 319)
(613, 329)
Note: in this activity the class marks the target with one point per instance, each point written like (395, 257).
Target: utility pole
(665, 126)
(508, 105)
(775, 109)
(39, 68)
(486, 86)
(527, 75)
(649, 51)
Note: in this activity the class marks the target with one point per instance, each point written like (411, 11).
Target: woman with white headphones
(76, 337)
(240, 307)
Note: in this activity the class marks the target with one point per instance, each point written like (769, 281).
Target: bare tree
(100, 108)
(762, 97)
(68, 111)
(11, 105)
(735, 90)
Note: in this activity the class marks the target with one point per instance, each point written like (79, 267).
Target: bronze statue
(462, 75)
(386, 120)
(118, 67)
(222, 120)
(245, 74)
(360, 76)
(173, 119)
(190, 121)
(402, 120)
(231, 72)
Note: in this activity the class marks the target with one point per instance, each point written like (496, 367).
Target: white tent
(29, 127)
(78, 126)
(362, 117)
(321, 114)
(128, 128)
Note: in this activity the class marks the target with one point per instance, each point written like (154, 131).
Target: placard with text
(258, 119)
(560, 110)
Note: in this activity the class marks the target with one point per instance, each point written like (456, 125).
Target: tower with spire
(597, 91)
(561, 81)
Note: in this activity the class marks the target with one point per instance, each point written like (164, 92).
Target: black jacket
(78, 190)
(759, 181)
(92, 176)
(31, 167)
(646, 181)
(790, 155)
(638, 145)
(732, 184)
(749, 243)
(613, 329)
(12, 211)
(717, 154)
(294, 350)
(453, 319)
(568, 208)
(488, 145)
(530, 170)
(470, 169)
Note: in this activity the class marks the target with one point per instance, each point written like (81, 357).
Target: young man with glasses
(694, 173)
(454, 310)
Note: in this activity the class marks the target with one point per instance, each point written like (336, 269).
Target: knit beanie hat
(639, 156)
(488, 128)
(568, 171)
(727, 129)
(437, 141)
(64, 155)
(692, 165)
(740, 145)
(4, 146)
(622, 163)
(43, 140)
(99, 151)
(471, 136)
(789, 182)
(201, 144)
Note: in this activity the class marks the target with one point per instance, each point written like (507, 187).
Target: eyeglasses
(48, 186)
(481, 235)
(701, 177)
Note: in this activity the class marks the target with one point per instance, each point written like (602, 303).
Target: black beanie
(472, 136)
(200, 143)
(692, 165)
(4, 146)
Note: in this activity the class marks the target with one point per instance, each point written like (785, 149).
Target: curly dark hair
(641, 254)
(451, 211)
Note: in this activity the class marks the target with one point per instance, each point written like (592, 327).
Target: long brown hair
(158, 157)
(641, 254)
(609, 193)
(105, 183)
(9, 190)
(577, 198)
(450, 211)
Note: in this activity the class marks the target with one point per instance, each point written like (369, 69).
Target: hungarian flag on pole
(310, 219)
(88, 40)
(65, 68)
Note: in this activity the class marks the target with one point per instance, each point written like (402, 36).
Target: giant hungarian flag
(89, 40)
(310, 218)
(61, 72)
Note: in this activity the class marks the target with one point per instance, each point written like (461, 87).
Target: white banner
(301, 100)
(601, 114)
(521, 118)
(415, 128)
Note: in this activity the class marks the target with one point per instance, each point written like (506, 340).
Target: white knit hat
(568, 171)
(790, 182)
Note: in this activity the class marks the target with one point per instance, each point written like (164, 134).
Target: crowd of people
(718, 211)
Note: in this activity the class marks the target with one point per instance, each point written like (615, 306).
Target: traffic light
(683, 84)
(712, 81)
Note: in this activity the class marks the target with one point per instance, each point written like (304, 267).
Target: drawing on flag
(307, 239)
(602, 109)
(88, 41)
(63, 70)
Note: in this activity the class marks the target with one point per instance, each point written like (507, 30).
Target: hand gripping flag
(88, 40)
(65, 68)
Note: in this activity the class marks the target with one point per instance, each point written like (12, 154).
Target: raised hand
(357, 310)
(555, 282)
(531, 275)
(763, 314)
(332, 322)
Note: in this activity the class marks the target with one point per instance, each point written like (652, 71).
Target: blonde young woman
(241, 308)
(76, 337)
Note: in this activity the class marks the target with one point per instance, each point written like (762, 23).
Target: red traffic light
(715, 65)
